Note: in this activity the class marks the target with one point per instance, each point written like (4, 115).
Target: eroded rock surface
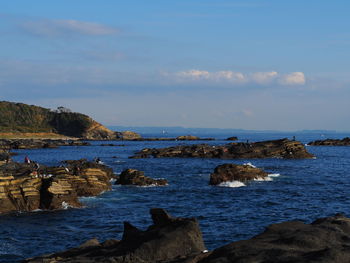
(283, 148)
(38, 144)
(167, 239)
(331, 142)
(136, 177)
(24, 187)
(233, 172)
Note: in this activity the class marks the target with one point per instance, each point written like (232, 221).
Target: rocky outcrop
(331, 142)
(233, 138)
(20, 120)
(167, 239)
(179, 240)
(233, 172)
(283, 148)
(325, 240)
(136, 177)
(179, 138)
(38, 144)
(128, 136)
(25, 187)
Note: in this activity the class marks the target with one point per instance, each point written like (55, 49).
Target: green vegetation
(19, 117)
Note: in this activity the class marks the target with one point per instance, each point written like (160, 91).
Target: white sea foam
(232, 184)
(65, 205)
(273, 175)
(263, 179)
(250, 164)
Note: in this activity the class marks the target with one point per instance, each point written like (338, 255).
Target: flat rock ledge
(282, 148)
(24, 187)
(234, 172)
(179, 240)
(38, 143)
(331, 142)
(167, 239)
(138, 178)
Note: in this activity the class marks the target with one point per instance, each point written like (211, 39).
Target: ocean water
(296, 189)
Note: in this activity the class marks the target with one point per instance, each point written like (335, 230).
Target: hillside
(19, 119)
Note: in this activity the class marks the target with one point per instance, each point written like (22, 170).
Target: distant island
(19, 120)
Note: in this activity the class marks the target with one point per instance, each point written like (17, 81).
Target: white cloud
(234, 77)
(58, 28)
(295, 78)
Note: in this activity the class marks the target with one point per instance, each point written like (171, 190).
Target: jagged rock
(233, 138)
(331, 142)
(136, 177)
(179, 240)
(167, 239)
(325, 240)
(233, 172)
(24, 187)
(283, 148)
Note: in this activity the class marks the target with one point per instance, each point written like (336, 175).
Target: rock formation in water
(39, 144)
(167, 239)
(27, 187)
(233, 138)
(136, 177)
(179, 240)
(331, 142)
(21, 120)
(234, 172)
(283, 148)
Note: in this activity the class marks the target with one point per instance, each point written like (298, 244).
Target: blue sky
(196, 63)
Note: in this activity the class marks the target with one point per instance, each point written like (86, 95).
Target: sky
(245, 64)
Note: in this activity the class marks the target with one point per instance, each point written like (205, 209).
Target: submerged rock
(167, 239)
(26, 187)
(331, 142)
(233, 172)
(283, 148)
(136, 177)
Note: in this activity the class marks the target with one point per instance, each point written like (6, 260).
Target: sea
(296, 190)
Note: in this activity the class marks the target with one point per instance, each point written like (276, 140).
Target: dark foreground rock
(167, 239)
(233, 172)
(179, 240)
(283, 148)
(325, 240)
(331, 142)
(136, 177)
(25, 187)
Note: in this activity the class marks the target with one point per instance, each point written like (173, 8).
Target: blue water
(305, 190)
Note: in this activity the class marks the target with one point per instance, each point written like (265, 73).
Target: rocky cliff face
(26, 188)
(19, 118)
(283, 148)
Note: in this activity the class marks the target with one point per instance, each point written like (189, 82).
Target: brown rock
(136, 177)
(25, 188)
(331, 142)
(233, 172)
(283, 148)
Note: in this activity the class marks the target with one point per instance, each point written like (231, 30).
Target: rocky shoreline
(179, 240)
(282, 148)
(28, 187)
(331, 142)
